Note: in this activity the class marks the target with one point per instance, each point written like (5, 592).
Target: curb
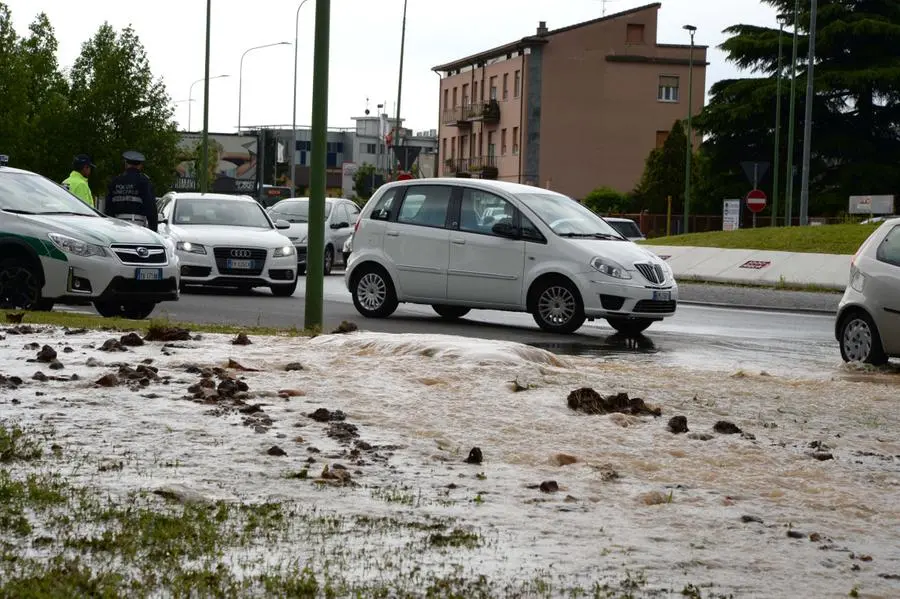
(727, 306)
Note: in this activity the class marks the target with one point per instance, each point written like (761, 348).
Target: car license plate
(239, 264)
(148, 274)
(662, 296)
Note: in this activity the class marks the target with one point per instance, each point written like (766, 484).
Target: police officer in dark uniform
(130, 195)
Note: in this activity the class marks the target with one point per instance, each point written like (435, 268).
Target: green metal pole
(776, 181)
(315, 262)
(400, 79)
(204, 155)
(690, 146)
(789, 185)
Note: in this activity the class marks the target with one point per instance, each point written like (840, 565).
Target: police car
(56, 249)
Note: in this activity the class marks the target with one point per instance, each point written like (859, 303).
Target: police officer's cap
(81, 161)
(134, 157)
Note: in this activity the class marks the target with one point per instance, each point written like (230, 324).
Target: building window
(463, 143)
(492, 149)
(335, 146)
(515, 141)
(517, 84)
(661, 137)
(668, 88)
(447, 99)
(634, 33)
(505, 86)
(493, 82)
(455, 99)
(303, 145)
(474, 91)
(503, 142)
(444, 148)
(367, 148)
(465, 95)
(453, 147)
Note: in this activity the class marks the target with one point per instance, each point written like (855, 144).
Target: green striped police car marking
(41, 247)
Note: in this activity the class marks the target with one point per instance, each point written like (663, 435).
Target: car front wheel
(284, 290)
(132, 310)
(631, 327)
(860, 341)
(450, 312)
(373, 293)
(20, 286)
(558, 307)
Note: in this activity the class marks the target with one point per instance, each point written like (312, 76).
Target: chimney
(542, 29)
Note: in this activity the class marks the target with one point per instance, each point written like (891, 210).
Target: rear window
(889, 250)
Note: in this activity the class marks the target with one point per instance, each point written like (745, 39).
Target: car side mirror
(340, 225)
(282, 224)
(502, 229)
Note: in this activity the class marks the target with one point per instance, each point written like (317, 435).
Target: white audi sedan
(228, 241)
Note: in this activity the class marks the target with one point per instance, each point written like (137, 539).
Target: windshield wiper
(17, 211)
(68, 213)
(592, 235)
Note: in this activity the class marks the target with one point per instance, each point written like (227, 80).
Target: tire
(451, 312)
(20, 285)
(632, 327)
(558, 307)
(134, 310)
(329, 261)
(373, 292)
(44, 305)
(284, 290)
(860, 341)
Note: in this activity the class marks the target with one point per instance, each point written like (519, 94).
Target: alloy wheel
(371, 291)
(19, 288)
(557, 305)
(857, 340)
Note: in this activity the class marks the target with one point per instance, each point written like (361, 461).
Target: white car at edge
(460, 244)
(56, 249)
(228, 241)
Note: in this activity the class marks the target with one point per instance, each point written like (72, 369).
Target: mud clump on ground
(167, 334)
(590, 402)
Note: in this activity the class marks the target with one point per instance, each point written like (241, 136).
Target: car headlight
(287, 250)
(667, 269)
(610, 268)
(70, 245)
(191, 248)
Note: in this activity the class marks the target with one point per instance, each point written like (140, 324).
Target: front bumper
(605, 297)
(263, 270)
(84, 280)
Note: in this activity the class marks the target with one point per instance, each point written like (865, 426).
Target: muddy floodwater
(771, 485)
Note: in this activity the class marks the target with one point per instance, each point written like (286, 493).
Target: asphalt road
(697, 336)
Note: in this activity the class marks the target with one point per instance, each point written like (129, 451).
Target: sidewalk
(757, 298)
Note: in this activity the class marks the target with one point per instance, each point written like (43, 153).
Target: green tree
(118, 105)
(664, 174)
(856, 110)
(13, 91)
(606, 200)
(362, 181)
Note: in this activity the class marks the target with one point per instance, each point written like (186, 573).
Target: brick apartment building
(570, 109)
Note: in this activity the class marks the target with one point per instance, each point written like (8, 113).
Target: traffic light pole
(315, 260)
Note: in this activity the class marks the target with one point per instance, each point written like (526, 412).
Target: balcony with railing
(463, 116)
(484, 167)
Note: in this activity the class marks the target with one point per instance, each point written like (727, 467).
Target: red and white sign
(756, 200)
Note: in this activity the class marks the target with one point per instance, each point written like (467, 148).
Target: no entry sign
(756, 200)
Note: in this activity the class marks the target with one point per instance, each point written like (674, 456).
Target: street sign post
(756, 201)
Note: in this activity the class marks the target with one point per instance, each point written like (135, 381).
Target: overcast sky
(365, 46)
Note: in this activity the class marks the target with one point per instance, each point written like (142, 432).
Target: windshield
(566, 217)
(626, 227)
(25, 193)
(231, 213)
(296, 211)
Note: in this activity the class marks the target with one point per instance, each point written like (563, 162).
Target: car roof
(15, 171)
(485, 184)
(212, 196)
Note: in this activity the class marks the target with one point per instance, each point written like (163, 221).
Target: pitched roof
(535, 40)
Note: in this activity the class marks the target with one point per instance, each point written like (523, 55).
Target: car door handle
(459, 241)
(392, 233)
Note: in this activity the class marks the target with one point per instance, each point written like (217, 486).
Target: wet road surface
(698, 336)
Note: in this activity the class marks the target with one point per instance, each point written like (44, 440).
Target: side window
(529, 231)
(481, 210)
(425, 205)
(167, 208)
(382, 210)
(889, 250)
(354, 213)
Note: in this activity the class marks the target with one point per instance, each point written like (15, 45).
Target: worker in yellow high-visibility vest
(77, 182)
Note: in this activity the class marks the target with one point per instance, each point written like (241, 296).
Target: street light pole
(294, 113)
(690, 145)
(315, 267)
(400, 78)
(789, 186)
(807, 121)
(191, 95)
(777, 170)
(241, 74)
(204, 153)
